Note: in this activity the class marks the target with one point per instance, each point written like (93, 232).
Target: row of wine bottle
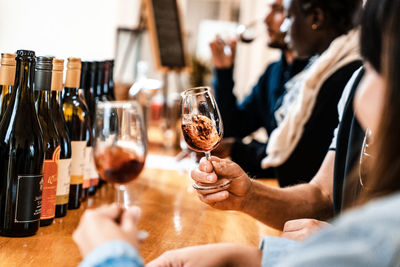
(46, 138)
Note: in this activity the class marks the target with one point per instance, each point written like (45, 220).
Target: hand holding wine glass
(202, 126)
(120, 144)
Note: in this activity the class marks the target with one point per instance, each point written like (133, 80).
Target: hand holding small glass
(202, 126)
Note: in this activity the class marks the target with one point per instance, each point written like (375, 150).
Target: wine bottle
(90, 177)
(42, 85)
(7, 76)
(106, 96)
(99, 82)
(76, 118)
(64, 163)
(85, 86)
(93, 87)
(111, 92)
(22, 155)
(84, 95)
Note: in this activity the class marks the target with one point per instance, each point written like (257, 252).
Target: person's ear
(318, 19)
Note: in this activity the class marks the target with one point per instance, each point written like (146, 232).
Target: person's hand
(223, 150)
(98, 226)
(301, 229)
(209, 256)
(230, 197)
(220, 59)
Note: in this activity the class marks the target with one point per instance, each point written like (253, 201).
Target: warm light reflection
(177, 222)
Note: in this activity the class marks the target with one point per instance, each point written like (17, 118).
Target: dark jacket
(311, 149)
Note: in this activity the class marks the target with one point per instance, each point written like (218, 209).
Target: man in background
(258, 108)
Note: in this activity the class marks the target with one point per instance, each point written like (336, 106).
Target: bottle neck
(54, 99)
(23, 93)
(71, 92)
(99, 84)
(5, 90)
(43, 102)
(111, 77)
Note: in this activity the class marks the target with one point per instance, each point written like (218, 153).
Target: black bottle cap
(44, 63)
(25, 53)
(43, 73)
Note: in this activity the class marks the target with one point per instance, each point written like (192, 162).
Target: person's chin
(276, 44)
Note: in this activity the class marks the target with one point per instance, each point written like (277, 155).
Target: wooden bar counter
(171, 214)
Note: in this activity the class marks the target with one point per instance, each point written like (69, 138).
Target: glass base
(219, 184)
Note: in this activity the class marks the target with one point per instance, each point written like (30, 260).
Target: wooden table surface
(171, 213)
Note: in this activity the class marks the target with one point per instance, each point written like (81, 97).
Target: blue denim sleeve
(113, 253)
(275, 249)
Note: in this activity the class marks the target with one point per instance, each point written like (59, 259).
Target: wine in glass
(120, 144)
(202, 126)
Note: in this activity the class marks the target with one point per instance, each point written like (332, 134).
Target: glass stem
(120, 195)
(208, 155)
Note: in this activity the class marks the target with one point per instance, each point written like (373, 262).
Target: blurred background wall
(89, 29)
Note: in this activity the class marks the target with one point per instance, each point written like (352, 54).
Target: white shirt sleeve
(342, 104)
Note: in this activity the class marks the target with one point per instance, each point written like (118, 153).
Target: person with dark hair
(305, 115)
(257, 109)
(284, 208)
(364, 236)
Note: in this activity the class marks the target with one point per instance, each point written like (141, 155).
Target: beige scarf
(283, 140)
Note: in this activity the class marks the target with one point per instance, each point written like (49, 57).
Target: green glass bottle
(22, 155)
(42, 86)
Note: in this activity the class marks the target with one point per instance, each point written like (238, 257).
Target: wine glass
(246, 33)
(120, 144)
(202, 126)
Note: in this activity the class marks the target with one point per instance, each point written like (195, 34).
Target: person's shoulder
(347, 70)
(366, 236)
(378, 210)
(271, 69)
(342, 75)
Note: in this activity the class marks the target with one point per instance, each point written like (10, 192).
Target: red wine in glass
(120, 144)
(202, 126)
(118, 164)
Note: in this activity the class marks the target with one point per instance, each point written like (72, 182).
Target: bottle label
(88, 159)
(94, 175)
(91, 173)
(50, 175)
(78, 161)
(28, 198)
(63, 181)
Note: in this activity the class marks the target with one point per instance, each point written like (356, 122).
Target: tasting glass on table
(202, 126)
(120, 144)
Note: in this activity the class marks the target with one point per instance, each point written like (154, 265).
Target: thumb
(110, 211)
(129, 219)
(226, 168)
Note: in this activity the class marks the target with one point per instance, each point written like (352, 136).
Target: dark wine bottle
(106, 96)
(92, 87)
(90, 175)
(64, 163)
(85, 87)
(99, 96)
(42, 85)
(22, 155)
(84, 95)
(76, 118)
(111, 92)
(7, 76)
